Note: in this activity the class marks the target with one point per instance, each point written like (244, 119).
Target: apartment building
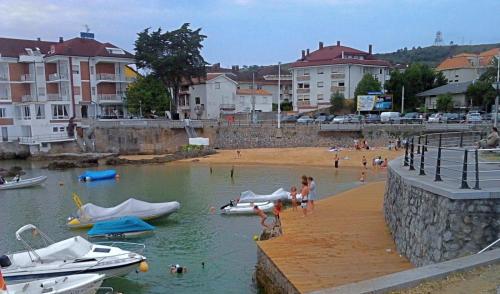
(466, 67)
(317, 75)
(230, 91)
(44, 84)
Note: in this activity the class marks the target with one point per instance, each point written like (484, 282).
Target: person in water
(305, 195)
(262, 216)
(177, 269)
(293, 194)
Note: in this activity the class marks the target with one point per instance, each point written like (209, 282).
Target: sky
(247, 32)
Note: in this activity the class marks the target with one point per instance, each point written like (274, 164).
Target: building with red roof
(317, 75)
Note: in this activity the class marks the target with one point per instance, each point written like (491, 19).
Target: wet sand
(344, 240)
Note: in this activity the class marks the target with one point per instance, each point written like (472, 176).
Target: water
(189, 237)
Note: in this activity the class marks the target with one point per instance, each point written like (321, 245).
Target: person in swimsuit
(262, 216)
(305, 196)
(312, 192)
(364, 161)
(293, 194)
(336, 160)
(277, 210)
(177, 269)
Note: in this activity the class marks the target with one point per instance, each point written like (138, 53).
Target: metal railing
(452, 157)
(109, 97)
(57, 76)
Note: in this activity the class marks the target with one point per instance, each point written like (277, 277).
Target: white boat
(247, 208)
(81, 284)
(249, 196)
(88, 214)
(23, 183)
(298, 197)
(71, 256)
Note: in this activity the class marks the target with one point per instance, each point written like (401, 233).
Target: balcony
(27, 78)
(338, 76)
(3, 77)
(115, 78)
(57, 97)
(336, 89)
(109, 98)
(303, 78)
(57, 77)
(28, 98)
(303, 104)
(35, 140)
(227, 107)
(302, 91)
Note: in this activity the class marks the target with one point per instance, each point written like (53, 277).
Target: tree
(147, 95)
(481, 93)
(367, 84)
(337, 101)
(173, 57)
(444, 102)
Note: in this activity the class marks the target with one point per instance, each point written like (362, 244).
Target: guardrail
(452, 157)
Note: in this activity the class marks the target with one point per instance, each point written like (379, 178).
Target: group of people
(17, 178)
(307, 195)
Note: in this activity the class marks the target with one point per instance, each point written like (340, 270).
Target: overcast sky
(261, 32)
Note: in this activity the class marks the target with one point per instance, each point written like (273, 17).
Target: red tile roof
(331, 55)
(463, 60)
(14, 47)
(260, 92)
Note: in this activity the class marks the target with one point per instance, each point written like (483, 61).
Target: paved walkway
(345, 240)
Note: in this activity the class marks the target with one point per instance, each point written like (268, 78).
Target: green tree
(481, 93)
(337, 101)
(444, 102)
(173, 57)
(147, 94)
(367, 84)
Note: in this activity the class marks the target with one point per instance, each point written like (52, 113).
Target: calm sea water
(189, 237)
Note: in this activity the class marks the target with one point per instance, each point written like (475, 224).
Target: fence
(452, 157)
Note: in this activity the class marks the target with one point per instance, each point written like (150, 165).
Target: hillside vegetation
(432, 55)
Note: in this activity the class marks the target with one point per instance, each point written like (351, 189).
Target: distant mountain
(432, 55)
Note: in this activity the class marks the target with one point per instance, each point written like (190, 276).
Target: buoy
(117, 176)
(255, 237)
(143, 266)
(73, 222)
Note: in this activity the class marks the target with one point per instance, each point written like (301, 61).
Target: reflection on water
(189, 237)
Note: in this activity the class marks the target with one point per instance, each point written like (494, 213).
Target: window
(55, 129)
(40, 111)
(380, 71)
(217, 85)
(2, 113)
(306, 72)
(197, 100)
(259, 87)
(26, 112)
(320, 97)
(337, 69)
(75, 69)
(76, 90)
(41, 91)
(61, 129)
(320, 71)
(303, 97)
(93, 91)
(60, 111)
(341, 84)
(456, 76)
(303, 85)
(320, 84)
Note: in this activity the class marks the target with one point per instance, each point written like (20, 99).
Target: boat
(124, 227)
(249, 196)
(75, 255)
(247, 208)
(88, 214)
(23, 183)
(97, 175)
(80, 283)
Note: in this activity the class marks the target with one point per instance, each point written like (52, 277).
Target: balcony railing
(3, 77)
(303, 78)
(227, 106)
(106, 77)
(338, 76)
(57, 76)
(28, 98)
(57, 97)
(303, 103)
(27, 78)
(109, 97)
(302, 91)
(338, 89)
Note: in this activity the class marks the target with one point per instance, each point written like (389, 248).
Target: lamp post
(140, 108)
(497, 84)
(279, 95)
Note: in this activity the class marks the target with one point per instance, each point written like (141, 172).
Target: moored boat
(23, 183)
(97, 175)
(125, 227)
(247, 208)
(249, 196)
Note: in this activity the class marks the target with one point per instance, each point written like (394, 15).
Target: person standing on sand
(278, 205)
(364, 161)
(293, 194)
(305, 195)
(262, 216)
(362, 179)
(336, 160)
(312, 192)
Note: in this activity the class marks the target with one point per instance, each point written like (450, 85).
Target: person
(262, 216)
(312, 192)
(2, 180)
(16, 178)
(378, 160)
(398, 143)
(278, 205)
(356, 144)
(293, 194)
(238, 153)
(232, 172)
(384, 164)
(177, 269)
(362, 179)
(305, 195)
(336, 160)
(492, 141)
(364, 161)
(390, 146)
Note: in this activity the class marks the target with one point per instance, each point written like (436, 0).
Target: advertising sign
(374, 102)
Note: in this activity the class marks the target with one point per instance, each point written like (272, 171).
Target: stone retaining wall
(270, 278)
(13, 150)
(429, 228)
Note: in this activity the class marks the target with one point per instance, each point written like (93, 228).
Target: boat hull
(24, 183)
(80, 283)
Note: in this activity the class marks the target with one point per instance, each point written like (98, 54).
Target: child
(277, 210)
(362, 179)
(293, 194)
(336, 160)
(364, 161)
(262, 216)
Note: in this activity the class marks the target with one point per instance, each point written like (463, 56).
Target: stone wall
(429, 228)
(270, 278)
(13, 150)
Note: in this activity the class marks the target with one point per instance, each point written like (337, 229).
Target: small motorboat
(249, 196)
(88, 214)
(71, 256)
(125, 227)
(247, 208)
(80, 283)
(97, 175)
(23, 183)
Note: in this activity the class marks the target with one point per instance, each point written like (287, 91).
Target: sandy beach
(310, 156)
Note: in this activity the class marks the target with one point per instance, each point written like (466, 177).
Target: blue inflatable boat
(127, 226)
(97, 175)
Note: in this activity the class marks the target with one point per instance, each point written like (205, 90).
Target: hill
(432, 55)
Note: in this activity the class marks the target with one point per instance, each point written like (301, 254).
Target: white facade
(460, 75)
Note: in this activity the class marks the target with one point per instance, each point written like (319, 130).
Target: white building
(45, 84)
(331, 69)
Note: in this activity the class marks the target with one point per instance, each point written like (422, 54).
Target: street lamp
(497, 86)
(279, 95)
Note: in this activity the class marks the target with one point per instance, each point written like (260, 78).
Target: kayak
(125, 227)
(97, 175)
(23, 183)
(249, 196)
(247, 208)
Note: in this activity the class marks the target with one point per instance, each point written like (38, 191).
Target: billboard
(374, 102)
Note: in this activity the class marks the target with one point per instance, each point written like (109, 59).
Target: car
(354, 118)
(330, 117)
(389, 117)
(435, 118)
(453, 118)
(372, 118)
(473, 117)
(321, 119)
(305, 119)
(315, 116)
(411, 117)
(340, 119)
(290, 119)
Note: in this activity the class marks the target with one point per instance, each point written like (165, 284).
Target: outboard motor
(5, 261)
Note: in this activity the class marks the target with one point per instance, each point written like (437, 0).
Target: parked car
(340, 119)
(453, 118)
(389, 117)
(354, 118)
(290, 119)
(435, 118)
(305, 119)
(372, 118)
(321, 119)
(411, 117)
(316, 115)
(330, 117)
(473, 117)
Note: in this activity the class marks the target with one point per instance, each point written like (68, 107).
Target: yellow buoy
(143, 266)
(74, 221)
(255, 237)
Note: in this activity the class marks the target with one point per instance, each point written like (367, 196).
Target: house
(456, 90)
(44, 84)
(317, 75)
(466, 67)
